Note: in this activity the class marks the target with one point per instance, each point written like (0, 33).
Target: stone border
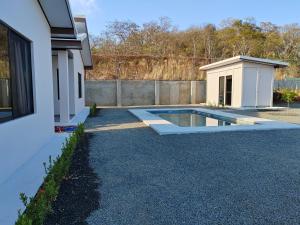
(164, 127)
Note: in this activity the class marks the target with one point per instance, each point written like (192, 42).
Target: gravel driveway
(223, 178)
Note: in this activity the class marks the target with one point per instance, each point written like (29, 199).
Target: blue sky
(184, 13)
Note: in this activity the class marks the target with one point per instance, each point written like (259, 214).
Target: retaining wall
(144, 92)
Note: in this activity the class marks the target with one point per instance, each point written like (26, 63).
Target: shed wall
(258, 85)
(213, 75)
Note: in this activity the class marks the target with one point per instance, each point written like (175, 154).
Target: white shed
(241, 81)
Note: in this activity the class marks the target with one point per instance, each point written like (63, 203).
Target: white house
(44, 53)
(241, 81)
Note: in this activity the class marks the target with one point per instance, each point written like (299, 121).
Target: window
(57, 78)
(79, 85)
(16, 93)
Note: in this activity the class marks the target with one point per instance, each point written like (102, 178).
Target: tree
(159, 46)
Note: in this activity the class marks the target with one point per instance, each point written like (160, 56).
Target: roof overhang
(59, 16)
(64, 44)
(237, 59)
(67, 32)
(82, 31)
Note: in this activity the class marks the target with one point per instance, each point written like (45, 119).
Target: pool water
(190, 118)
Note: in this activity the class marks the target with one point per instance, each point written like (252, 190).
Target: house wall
(258, 85)
(212, 90)
(55, 86)
(75, 66)
(71, 86)
(78, 68)
(22, 138)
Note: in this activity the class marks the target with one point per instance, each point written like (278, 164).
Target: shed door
(225, 90)
(221, 90)
(228, 91)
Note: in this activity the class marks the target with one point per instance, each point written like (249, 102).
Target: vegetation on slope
(158, 50)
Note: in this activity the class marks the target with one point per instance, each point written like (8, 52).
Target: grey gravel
(224, 178)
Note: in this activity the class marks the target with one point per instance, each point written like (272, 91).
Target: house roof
(67, 32)
(241, 58)
(59, 16)
(83, 34)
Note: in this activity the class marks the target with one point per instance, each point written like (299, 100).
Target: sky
(184, 13)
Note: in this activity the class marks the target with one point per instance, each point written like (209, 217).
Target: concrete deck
(247, 123)
(249, 177)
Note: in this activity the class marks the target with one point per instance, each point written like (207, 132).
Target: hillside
(158, 50)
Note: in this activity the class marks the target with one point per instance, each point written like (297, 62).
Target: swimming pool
(202, 120)
(193, 118)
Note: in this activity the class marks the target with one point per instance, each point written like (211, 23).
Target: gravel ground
(223, 178)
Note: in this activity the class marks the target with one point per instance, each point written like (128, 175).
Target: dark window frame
(79, 85)
(12, 31)
(57, 82)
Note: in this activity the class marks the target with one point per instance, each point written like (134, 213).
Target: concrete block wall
(102, 92)
(290, 84)
(137, 92)
(144, 92)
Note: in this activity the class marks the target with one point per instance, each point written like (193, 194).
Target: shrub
(93, 110)
(277, 97)
(289, 96)
(39, 207)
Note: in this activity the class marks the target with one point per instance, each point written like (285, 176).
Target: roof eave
(60, 31)
(64, 44)
(238, 59)
(83, 20)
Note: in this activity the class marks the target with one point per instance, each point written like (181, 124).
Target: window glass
(16, 91)
(79, 85)
(5, 82)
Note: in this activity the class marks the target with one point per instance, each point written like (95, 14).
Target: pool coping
(164, 127)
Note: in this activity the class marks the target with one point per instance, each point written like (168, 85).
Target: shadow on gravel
(78, 195)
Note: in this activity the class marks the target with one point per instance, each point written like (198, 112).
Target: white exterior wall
(71, 87)
(22, 138)
(75, 66)
(258, 85)
(78, 68)
(55, 87)
(212, 90)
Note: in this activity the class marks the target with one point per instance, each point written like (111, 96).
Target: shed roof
(241, 58)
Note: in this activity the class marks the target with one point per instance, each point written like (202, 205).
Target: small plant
(39, 207)
(93, 110)
(23, 219)
(288, 96)
(214, 105)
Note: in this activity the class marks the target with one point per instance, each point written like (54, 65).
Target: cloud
(84, 7)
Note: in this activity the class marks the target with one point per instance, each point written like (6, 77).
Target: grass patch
(93, 110)
(38, 207)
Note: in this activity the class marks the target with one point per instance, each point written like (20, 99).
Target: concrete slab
(77, 119)
(27, 179)
(246, 123)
